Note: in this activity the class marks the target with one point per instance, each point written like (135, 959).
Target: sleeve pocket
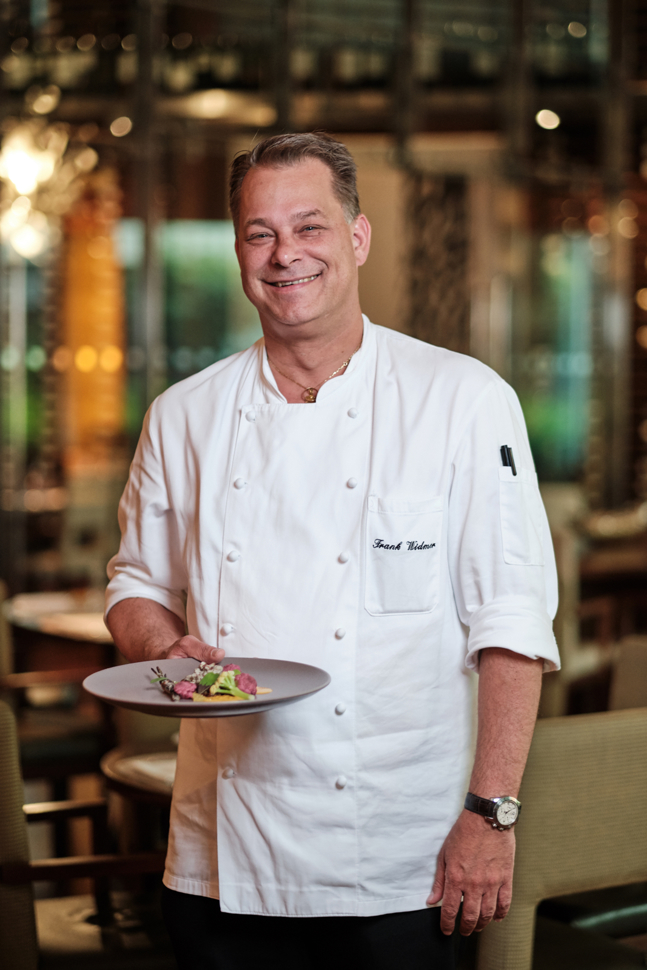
(403, 548)
(520, 518)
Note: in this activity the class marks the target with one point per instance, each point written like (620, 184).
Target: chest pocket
(403, 548)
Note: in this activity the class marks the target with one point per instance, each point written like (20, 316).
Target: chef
(345, 496)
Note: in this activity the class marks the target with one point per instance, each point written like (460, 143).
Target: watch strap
(481, 806)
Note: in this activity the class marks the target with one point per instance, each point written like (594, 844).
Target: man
(342, 495)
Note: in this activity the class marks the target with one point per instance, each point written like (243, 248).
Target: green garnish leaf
(209, 679)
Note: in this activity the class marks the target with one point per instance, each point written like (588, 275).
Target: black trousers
(204, 938)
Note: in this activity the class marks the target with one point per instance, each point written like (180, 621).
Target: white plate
(129, 685)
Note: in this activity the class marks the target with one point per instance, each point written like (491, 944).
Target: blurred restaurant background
(502, 156)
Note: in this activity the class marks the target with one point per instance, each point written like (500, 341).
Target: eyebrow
(298, 216)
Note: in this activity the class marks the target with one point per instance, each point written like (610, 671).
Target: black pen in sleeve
(508, 458)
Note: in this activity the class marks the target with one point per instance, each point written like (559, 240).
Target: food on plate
(211, 682)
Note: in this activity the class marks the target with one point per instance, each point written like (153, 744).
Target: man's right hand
(189, 646)
(143, 629)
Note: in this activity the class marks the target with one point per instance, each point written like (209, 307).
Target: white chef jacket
(374, 533)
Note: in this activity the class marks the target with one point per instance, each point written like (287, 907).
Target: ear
(361, 230)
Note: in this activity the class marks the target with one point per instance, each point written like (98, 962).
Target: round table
(141, 772)
(59, 630)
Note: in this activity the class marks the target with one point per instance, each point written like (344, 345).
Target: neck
(309, 358)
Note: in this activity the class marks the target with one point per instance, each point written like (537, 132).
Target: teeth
(306, 279)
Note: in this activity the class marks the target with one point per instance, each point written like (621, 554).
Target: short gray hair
(289, 149)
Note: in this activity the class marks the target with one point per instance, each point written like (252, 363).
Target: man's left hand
(475, 863)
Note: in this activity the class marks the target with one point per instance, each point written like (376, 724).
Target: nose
(287, 251)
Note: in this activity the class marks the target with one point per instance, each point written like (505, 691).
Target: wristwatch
(502, 812)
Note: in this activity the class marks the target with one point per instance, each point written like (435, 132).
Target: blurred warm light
(25, 170)
(64, 45)
(598, 226)
(641, 336)
(129, 43)
(641, 299)
(16, 215)
(34, 161)
(26, 163)
(121, 126)
(86, 42)
(547, 119)
(61, 359)
(93, 324)
(31, 239)
(19, 45)
(55, 499)
(43, 100)
(628, 228)
(34, 499)
(85, 359)
(627, 207)
(228, 105)
(111, 359)
(577, 29)
(86, 159)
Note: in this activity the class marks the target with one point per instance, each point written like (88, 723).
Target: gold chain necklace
(310, 393)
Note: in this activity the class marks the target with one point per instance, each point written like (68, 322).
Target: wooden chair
(56, 740)
(19, 915)
(582, 828)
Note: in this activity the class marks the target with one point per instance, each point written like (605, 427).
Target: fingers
(478, 911)
(488, 908)
(503, 902)
(449, 912)
(439, 881)
(478, 908)
(190, 646)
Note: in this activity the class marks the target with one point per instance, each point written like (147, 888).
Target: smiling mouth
(304, 279)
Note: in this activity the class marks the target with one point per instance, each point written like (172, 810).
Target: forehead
(300, 187)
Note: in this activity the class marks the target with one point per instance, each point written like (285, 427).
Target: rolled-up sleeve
(501, 558)
(149, 562)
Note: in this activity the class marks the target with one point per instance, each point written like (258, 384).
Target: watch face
(507, 813)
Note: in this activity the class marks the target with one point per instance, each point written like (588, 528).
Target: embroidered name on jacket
(412, 546)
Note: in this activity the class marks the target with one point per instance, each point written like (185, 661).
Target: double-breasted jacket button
(250, 416)
(233, 555)
(344, 556)
(351, 483)
(352, 412)
(226, 629)
(340, 633)
(341, 782)
(341, 708)
(228, 773)
(240, 483)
